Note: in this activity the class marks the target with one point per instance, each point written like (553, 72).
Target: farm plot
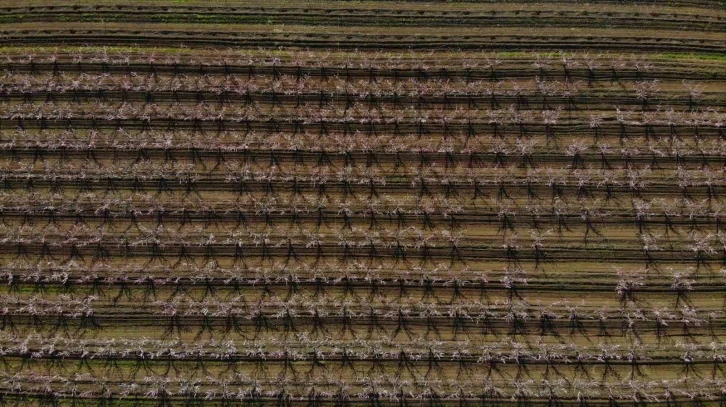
(362, 203)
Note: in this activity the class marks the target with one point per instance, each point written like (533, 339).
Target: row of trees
(371, 65)
(287, 90)
(372, 390)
